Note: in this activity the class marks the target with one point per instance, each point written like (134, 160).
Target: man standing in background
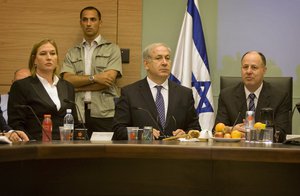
(92, 67)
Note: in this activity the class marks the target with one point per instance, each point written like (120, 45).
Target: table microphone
(151, 117)
(80, 116)
(175, 121)
(298, 108)
(37, 119)
(235, 121)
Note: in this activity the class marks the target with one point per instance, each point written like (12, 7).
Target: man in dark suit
(137, 104)
(235, 99)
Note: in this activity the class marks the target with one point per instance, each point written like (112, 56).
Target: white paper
(4, 140)
(102, 136)
(189, 140)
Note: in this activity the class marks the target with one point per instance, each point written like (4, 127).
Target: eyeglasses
(161, 58)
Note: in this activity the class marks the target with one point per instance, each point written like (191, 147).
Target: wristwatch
(92, 78)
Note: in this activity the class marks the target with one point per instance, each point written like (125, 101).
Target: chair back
(283, 83)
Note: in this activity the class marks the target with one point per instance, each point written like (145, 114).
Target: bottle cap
(69, 111)
(47, 115)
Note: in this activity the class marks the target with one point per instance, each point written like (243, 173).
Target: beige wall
(24, 23)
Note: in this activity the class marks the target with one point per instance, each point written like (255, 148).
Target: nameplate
(102, 136)
(292, 136)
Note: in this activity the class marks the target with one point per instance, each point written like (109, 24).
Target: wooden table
(156, 168)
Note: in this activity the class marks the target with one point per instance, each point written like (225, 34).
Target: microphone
(36, 117)
(151, 117)
(80, 116)
(298, 108)
(175, 121)
(235, 121)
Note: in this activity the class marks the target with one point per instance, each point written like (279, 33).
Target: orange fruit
(236, 134)
(259, 125)
(219, 127)
(227, 135)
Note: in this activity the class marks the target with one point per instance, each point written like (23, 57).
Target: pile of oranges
(223, 131)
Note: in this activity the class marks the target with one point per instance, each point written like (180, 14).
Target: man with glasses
(156, 101)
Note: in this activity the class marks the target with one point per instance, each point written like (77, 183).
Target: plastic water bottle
(69, 122)
(250, 135)
(47, 128)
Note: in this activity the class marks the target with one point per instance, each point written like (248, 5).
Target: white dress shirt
(51, 90)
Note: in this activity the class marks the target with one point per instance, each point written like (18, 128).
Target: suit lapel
(240, 102)
(172, 99)
(42, 93)
(148, 98)
(62, 92)
(240, 96)
(263, 100)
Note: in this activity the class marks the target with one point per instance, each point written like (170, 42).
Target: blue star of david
(204, 104)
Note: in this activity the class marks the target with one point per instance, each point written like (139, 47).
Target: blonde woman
(41, 93)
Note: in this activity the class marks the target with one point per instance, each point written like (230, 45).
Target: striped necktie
(160, 105)
(251, 102)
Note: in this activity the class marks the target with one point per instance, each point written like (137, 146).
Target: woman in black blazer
(43, 91)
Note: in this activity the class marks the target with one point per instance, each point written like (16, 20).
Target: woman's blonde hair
(31, 64)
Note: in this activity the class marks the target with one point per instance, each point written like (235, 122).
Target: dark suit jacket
(31, 92)
(136, 107)
(232, 100)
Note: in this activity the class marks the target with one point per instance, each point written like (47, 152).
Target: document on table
(102, 136)
(4, 140)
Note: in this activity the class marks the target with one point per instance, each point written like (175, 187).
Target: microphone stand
(36, 117)
(155, 122)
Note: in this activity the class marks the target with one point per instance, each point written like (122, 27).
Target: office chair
(283, 83)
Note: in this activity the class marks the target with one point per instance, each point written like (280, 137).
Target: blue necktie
(251, 103)
(160, 105)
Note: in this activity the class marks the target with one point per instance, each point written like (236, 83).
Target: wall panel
(129, 36)
(24, 23)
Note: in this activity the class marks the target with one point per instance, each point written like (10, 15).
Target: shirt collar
(44, 81)
(96, 40)
(257, 92)
(152, 84)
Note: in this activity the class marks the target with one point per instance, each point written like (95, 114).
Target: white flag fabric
(190, 67)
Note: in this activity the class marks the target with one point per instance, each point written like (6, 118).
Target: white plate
(219, 139)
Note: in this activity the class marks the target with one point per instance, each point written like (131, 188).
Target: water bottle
(69, 122)
(47, 128)
(249, 124)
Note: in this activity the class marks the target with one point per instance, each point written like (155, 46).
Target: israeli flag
(190, 67)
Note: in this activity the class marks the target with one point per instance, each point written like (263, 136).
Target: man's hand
(106, 78)
(16, 136)
(178, 132)
(240, 127)
(156, 133)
